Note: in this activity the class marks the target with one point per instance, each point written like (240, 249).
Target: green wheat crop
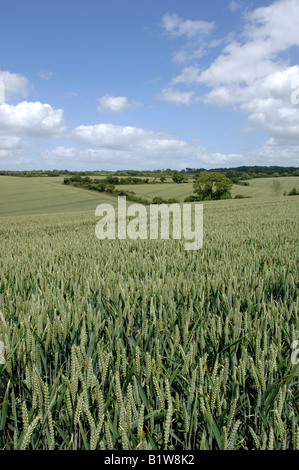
(121, 344)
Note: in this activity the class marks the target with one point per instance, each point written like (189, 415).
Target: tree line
(237, 173)
(108, 185)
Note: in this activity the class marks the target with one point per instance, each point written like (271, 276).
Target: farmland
(30, 196)
(258, 188)
(134, 345)
(48, 195)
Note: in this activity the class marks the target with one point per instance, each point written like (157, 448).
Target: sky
(133, 84)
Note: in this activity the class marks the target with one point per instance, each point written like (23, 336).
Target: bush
(158, 200)
(193, 198)
(226, 196)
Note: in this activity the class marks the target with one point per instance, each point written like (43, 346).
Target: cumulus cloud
(115, 104)
(112, 146)
(268, 32)
(31, 119)
(12, 84)
(137, 142)
(252, 72)
(271, 106)
(109, 136)
(275, 25)
(276, 85)
(134, 145)
(240, 64)
(22, 122)
(253, 75)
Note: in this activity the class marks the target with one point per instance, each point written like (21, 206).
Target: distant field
(48, 195)
(260, 187)
(45, 195)
(165, 190)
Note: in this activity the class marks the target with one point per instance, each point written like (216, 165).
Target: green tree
(158, 200)
(212, 186)
(177, 177)
(162, 177)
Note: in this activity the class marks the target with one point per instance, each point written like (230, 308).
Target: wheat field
(134, 345)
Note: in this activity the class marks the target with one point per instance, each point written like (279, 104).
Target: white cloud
(165, 153)
(188, 75)
(9, 142)
(139, 143)
(135, 145)
(252, 72)
(12, 149)
(31, 119)
(116, 104)
(14, 161)
(234, 6)
(269, 31)
(240, 64)
(12, 84)
(176, 26)
(147, 155)
(195, 33)
(109, 136)
(275, 25)
(174, 96)
(267, 101)
(21, 123)
(128, 147)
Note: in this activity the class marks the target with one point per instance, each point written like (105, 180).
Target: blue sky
(123, 84)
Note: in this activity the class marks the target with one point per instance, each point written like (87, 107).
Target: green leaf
(85, 442)
(4, 408)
